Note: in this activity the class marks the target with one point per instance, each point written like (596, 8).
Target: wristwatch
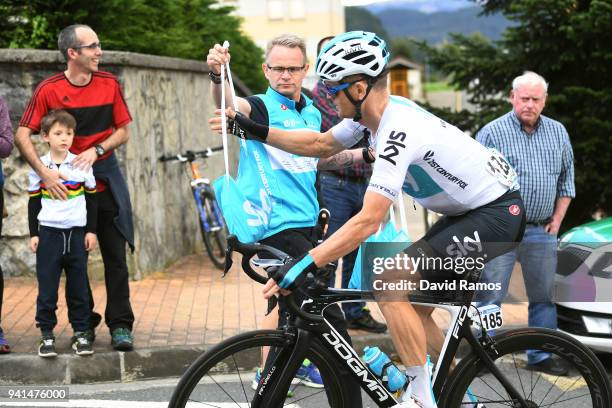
(215, 78)
(99, 150)
(365, 152)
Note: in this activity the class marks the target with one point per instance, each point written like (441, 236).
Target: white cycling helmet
(355, 52)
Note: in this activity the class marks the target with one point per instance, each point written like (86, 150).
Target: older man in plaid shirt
(539, 149)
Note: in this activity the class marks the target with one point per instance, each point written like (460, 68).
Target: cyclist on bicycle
(442, 168)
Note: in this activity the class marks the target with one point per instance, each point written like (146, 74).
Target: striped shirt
(68, 213)
(98, 107)
(543, 160)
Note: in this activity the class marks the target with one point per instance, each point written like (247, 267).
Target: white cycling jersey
(444, 169)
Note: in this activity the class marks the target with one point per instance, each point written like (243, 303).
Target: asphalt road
(156, 394)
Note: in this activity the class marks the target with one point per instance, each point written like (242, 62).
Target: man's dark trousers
(343, 198)
(116, 277)
(295, 242)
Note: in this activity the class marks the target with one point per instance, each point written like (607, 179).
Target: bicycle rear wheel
(224, 375)
(215, 239)
(586, 385)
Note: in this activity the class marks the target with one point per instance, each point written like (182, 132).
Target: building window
(297, 10)
(276, 9)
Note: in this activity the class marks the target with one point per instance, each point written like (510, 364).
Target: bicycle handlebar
(190, 155)
(248, 251)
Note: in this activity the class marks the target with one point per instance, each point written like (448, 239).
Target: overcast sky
(363, 2)
(359, 2)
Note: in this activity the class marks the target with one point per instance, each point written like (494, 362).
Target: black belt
(538, 223)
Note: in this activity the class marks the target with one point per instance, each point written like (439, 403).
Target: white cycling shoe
(412, 403)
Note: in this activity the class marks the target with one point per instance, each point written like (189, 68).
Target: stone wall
(170, 103)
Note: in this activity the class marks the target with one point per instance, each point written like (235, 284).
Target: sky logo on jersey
(469, 244)
(428, 158)
(394, 142)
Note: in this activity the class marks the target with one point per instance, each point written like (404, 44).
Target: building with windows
(311, 20)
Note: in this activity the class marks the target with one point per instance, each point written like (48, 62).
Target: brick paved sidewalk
(188, 304)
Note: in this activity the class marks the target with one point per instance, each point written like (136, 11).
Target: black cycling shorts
(457, 245)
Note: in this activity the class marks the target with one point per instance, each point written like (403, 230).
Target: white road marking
(115, 404)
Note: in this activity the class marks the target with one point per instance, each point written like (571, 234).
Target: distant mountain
(434, 27)
(425, 6)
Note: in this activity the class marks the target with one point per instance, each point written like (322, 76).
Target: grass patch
(438, 86)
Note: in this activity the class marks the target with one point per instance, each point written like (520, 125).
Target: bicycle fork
(461, 328)
(490, 364)
(280, 368)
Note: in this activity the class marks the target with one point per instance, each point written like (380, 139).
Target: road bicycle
(493, 373)
(212, 225)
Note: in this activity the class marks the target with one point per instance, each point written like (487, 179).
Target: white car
(583, 290)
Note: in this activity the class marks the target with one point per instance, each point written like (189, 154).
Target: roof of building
(405, 63)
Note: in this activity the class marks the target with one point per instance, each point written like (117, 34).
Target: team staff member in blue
(286, 187)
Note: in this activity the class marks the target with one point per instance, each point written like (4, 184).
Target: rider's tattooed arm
(346, 158)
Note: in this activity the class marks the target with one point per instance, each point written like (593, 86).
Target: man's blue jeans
(343, 198)
(537, 254)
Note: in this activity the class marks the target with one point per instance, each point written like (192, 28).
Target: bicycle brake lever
(228, 256)
(322, 221)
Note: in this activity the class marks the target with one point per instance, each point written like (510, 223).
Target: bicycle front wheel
(225, 375)
(472, 385)
(215, 239)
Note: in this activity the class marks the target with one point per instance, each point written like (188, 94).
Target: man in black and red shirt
(95, 99)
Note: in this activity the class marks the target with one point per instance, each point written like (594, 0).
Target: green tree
(208, 25)
(358, 18)
(408, 48)
(567, 42)
(403, 47)
(174, 28)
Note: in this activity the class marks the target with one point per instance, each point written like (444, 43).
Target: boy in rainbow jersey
(62, 233)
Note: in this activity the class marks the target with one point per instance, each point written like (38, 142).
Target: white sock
(420, 383)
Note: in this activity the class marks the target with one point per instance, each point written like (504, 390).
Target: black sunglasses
(333, 90)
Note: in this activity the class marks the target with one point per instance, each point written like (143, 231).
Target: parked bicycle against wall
(494, 370)
(212, 225)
